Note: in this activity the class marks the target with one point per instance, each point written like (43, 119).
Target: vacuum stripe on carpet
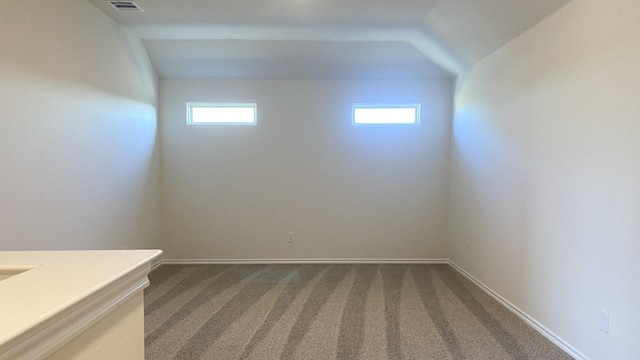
(230, 312)
(431, 302)
(351, 326)
(339, 311)
(223, 283)
(508, 342)
(200, 275)
(392, 281)
(305, 274)
(321, 292)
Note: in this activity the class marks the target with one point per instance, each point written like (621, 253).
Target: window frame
(415, 106)
(192, 104)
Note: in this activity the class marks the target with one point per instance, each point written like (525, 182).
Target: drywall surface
(119, 335)
(78, 161)
(345, 191)
(546, 174)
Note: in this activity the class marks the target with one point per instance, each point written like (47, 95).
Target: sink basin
(9, 271)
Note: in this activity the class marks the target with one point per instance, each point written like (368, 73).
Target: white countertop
(60, 281)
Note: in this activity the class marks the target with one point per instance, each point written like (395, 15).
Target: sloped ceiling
(326, 39)
(285, 59)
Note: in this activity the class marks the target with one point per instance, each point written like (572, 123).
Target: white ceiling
(326, 39)
(473, 29)
(276, 13)
(277, 59)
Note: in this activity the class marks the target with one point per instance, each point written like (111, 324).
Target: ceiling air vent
(130, 6)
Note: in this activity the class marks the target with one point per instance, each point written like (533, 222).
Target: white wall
(546, 174)
(78, 163)
(345, 191)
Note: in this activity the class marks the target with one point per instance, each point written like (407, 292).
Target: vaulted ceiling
(326, 39)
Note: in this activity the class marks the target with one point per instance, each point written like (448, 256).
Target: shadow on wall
(80, 165)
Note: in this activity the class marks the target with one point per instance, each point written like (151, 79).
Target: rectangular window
(201, 113)
(385, 114)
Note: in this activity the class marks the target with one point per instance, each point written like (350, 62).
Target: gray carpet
(330, 312)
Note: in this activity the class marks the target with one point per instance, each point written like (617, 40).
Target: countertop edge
(41, 339)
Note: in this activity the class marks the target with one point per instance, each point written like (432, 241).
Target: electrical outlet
(290, 237)
(604, 321)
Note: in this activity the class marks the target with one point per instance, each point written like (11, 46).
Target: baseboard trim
(156, 263)
(302, 261)
(565, 346)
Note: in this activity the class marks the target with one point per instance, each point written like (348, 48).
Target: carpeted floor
(330, 312)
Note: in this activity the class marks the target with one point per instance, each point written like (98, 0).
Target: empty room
(319, 179)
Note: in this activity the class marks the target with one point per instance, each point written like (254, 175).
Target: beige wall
(119, 335)
(346, 191)
(546, 174)
(78, 163)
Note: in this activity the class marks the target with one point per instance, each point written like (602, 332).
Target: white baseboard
(566, 347)
(302, 261)
(156, 264)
